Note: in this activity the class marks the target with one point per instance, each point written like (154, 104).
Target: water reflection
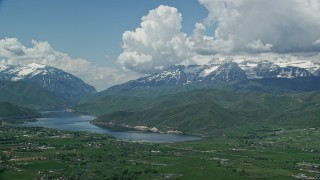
(79, 122)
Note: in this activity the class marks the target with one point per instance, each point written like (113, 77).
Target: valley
(29, 153)
(63, 120)
(249, 128)
(160, 89)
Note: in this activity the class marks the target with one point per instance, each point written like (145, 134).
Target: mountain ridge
(212, 99)
(218, 71)
(54, 80)
(214, 112)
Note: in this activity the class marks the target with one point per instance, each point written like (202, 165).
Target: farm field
(39, 153)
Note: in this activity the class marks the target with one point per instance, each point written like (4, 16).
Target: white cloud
(11, 47)
(240, 27)
(157, 43)
(265, 29)
(316, 42)
(258, 46)
(202, 44)
(286, 26)
(13, 52)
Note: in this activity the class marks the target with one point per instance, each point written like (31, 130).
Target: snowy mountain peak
(192, 74)
(52, 79)
(36, 66)
(228, 71)
(308, 65)
(266, 69)
(219, 61)
(222, 70)
(20, 72)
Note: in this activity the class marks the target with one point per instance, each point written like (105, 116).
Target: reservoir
(78, 122)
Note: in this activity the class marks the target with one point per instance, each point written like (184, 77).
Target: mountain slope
(229, 71)
(214, 99)
(12, 111)
(215, 112)
(188, 118)
(187, 75)
(54, 80)
(306, 113)
(267, 69)
(279, 85)
(216, 73)
(26, 94)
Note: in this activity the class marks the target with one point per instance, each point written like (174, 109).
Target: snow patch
(25, 71)
(308, 65)
(208, 71)
(36, 66)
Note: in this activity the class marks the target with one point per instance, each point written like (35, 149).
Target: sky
(111, 42)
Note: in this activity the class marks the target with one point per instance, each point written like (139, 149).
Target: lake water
(77, 122)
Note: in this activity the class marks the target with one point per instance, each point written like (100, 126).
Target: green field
(35, 153)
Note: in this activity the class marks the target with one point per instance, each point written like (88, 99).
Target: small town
(39, 153)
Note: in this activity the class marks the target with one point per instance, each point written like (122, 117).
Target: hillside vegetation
(14, 113)
(209, 112)
(26, 94)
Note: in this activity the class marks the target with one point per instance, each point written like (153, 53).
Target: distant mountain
(186, 75)
(220, 71)
(214, 99)
(317, 72)
(266, 69)
(56, 81)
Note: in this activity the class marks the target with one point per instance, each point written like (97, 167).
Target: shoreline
(142, 128)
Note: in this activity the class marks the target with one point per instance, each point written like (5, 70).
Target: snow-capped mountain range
(227, 70)
(52, 79)
(71, 87)
(285, 69)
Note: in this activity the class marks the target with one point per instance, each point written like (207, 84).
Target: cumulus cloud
(13, 52)
(258, 46)
(286, 26)
(269, 29)
(317, 42)
(203, 44)
(11, 47)
(232, 27)
(156, 44)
